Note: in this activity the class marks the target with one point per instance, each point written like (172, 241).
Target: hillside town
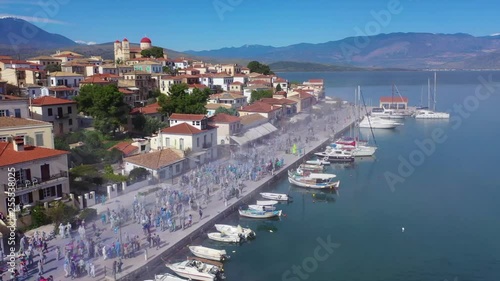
(42, 105)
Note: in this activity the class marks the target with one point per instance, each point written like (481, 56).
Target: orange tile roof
(251, 118)
(280, 80)
(305, 95)
(148, 109)
(223, 118)
(8, 156)
(125, 147)
(393, 99)
(47, 100)
(156, 160)
(237, 83)
(125, 91)
(260, 107)
(318, 81)
(6, 122)
(182, 129)
(197, 86)
(60, 88)
(187, 117)
(277, 101)
(282, 93)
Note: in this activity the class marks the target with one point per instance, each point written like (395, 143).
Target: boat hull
(259, 215)
(274, 196)
(234, 230)
(207, 253)
(336, 158)
(330, 185)
(216, 236)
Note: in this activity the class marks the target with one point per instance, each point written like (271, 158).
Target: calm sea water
(448, 204)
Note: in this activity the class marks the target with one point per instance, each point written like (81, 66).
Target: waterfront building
(227, 126)
(394, 103)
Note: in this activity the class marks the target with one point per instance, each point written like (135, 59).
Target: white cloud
(31, 19)
(495, 34)
(85, 42)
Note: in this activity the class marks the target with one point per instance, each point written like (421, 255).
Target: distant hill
(394, 50)
(292, 66)
(15, 38)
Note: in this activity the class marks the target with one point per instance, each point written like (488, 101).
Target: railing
(207, 145)
(36, 181)
(63, 116)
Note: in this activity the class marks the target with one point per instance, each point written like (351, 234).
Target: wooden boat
(259, 214)
(235, 230)
(208, 253)
(207, 261)
(196, 270)
(312, 168)
(275, 196)
(313, 180)
(223, 237)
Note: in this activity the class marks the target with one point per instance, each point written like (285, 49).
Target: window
(49, 112)
(26, 198)
(4, 139)
(28, 140)
(39, 139)
(162, 174)
(198, 142)
(70, 122)
(167, 142)
(70, 110)
(143, 147)
(181, 144)
(4, 112)
(177, 168)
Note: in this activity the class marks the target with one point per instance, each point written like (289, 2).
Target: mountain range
(393, 50)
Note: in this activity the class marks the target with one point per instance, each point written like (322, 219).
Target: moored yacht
(336, 155)
(377, 123)
(196, 270)
(313, 180)
(429, 114)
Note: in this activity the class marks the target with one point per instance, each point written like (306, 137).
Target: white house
(68, 79)
(222, 80)
(14, 106)
(236, 100)
(227, 126)
(166, 81)
(60, 112)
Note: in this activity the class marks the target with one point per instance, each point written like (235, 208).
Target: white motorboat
(313, 180)
(196, 270)
(262, 208)
(357, 150)
(224, 237)
(167, 277)
(377, 123)
(320, 161)
(259, 214)
(386, 113)
(275, 196)
(429, 114)
(336, 155)
(267, 202)
(247, 233)
(312, 168)
(208, 253)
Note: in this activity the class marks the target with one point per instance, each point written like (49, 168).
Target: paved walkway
(213, 207)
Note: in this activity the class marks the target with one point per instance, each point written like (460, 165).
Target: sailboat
(427, 113)
(361, 150)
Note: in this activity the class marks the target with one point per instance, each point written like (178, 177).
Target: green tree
(230, 111)
(61, 213)
(168, 70)
(259, 94)
(105, 104)
(278, 88)
(61, 144)
(258, 67)
(53, 67)
(152, 126)
(138, 121)
(111, 177)
(155, 52)
(138, 174)
(180, 101)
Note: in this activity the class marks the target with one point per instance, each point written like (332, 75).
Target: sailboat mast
(428, 93)
(435, 75)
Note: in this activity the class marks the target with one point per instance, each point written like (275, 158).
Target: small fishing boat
(320, 161)
(267, 202)
(196, 270)
(312, 168)
(208, 253)
(312, 180)
(275, 196)
(167, 277)
(259, 214)
(224, 237)
(336, 155)
(247, 233)
(262, 207)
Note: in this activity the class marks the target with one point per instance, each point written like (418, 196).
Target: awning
(133, 88)
(255, 133)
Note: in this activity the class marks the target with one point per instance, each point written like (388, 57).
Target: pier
(216, 211)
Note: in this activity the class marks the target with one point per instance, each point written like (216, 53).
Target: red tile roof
(148, 109)
(277, 101)
(316, 81)
(237, 83)
(125, 91)
(47, 100)
(9, 61)
(259, 107)
(5, 57)
(125, 147)
(95, 80)
(60, 88)
(156, 160)
(223, 118)
(394, 99)
(8, 156)
(198, 86)
(280, 80)
(305, 95)
(281, 93)
(182, 129)
(187, 117)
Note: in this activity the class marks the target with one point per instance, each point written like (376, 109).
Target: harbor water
(424, 208)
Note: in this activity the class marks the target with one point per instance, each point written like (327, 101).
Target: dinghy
(223, 237)
(196, 270)
(259, 214)
(235, 230)
(274, 196)
(208, 253)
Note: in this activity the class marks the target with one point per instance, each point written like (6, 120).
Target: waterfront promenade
(133, 268)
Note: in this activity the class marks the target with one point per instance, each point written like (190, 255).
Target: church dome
(117, 41)
(125, 40)
(146, 40)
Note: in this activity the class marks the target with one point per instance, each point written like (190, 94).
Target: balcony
(37, 182)
(206, 145)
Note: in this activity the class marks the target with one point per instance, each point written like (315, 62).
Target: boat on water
(427, 113)
(320, 161)
(196, 270)
(208, 253)
(377, 123)
(246, 233)
(345, 140)
(274, 196)
(312, 168)
(313, 180)
(267, 202)
(336, 155)
(386, 113)
(225, 237)
(167, 277)
(249, 213)
(262, 208)
(356, 150)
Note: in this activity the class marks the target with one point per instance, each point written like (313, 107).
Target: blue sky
(211, 24)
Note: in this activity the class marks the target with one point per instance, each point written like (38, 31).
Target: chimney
(18, 143)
